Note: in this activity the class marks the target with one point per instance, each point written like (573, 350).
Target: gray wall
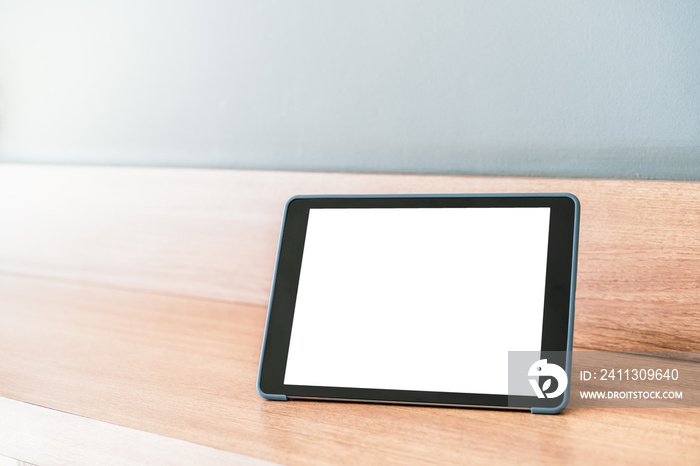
(559, 88)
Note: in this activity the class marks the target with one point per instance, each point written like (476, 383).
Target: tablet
(452, 300)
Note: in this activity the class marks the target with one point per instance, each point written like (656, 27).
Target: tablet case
(570, 335)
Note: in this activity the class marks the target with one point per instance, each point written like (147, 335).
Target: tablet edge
(272, 396)
(572, 300)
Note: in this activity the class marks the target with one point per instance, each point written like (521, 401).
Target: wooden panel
(32, 435)
(213, 234)
(186, 368)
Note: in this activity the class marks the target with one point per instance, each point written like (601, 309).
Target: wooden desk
(136, 299)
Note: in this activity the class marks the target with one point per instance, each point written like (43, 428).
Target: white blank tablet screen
(418, 299)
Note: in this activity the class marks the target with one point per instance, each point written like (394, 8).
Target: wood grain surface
(43, 436)
(137, 297)
(186, 368)
(213, 234)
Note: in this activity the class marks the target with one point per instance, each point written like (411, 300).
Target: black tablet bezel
(557, 332)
